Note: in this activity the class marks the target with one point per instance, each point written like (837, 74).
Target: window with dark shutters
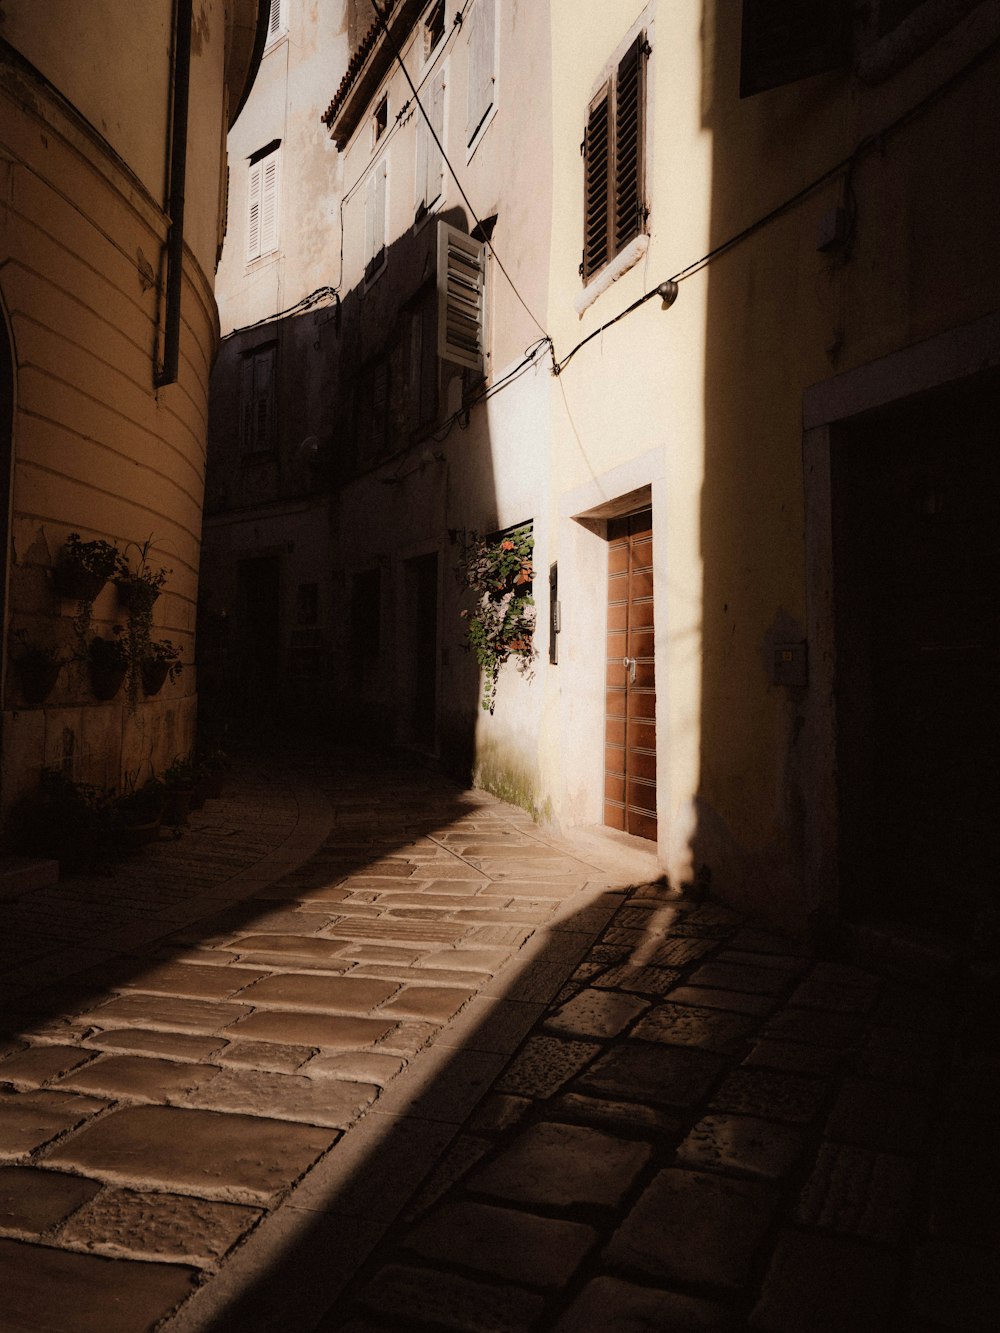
(613, 162)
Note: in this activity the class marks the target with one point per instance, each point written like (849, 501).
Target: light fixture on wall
(667, 292)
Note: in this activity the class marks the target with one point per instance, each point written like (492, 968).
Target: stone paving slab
(242, 1158)
(33, 1201)
(45, 1288)
(695, 1228)
(129, 1224)
(30, 1120)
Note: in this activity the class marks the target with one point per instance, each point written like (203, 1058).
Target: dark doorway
(630, 710)
(420, 665)
(258, 633)
(916, 494)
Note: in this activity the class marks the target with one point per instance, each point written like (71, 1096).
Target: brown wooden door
(630, 709)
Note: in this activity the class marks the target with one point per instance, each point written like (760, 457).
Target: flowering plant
(502, 623)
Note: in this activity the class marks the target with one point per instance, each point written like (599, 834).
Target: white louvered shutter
(481, 66)
(375, 195)
(274, 25)
(269, 204)
(253, 211)
(461, 272)
(430, 161)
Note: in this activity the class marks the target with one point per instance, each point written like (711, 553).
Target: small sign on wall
(791, 664)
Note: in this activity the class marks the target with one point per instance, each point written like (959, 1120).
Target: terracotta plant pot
(178, 805)
(138, 835)
(38, 680)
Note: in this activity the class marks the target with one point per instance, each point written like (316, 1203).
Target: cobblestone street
(365, 1051)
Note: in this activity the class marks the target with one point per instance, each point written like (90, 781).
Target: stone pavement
(363, 1051)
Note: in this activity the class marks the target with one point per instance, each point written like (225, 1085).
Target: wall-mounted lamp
(667, 292)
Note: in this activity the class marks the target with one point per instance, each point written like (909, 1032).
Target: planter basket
(136, 595)
(106, 681)
(77, 584)
(37, 680)
(153, 675)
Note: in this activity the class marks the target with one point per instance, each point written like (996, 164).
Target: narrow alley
(363, 1050)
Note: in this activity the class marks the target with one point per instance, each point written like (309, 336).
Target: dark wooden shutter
(785, 40)
(597, 184)
(629, 117)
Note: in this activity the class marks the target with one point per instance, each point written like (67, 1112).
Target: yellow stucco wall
(97, 448)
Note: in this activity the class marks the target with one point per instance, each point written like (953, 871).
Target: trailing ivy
(501, 625)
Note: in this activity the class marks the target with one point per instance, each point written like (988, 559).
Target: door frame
(945, 359)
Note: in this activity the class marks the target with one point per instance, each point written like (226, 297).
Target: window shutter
(481, 62)
(785, 40)
(274, 20)
(369, 252)
(461, 271)
(375, 192)
(597, 184)
(629, 204)
(380, 185)
(269, 205)
(435, 158)
(430, 161)
(264, 399)
(253, 212)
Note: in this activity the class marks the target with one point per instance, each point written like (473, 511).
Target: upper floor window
(430, 159)
(262, 201)
(380, 120)
(277, 20)
(614, 151)
(433, 27)
(482, 67)
(257, 414)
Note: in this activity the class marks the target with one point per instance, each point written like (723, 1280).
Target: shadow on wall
(341, 469)
(787, 310)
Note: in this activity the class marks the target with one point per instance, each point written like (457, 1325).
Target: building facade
(113, 164)
(733, 362)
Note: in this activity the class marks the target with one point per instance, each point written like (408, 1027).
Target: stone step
(24, 874)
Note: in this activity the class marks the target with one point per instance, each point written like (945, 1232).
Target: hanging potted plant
(37, 666)
(502, 623)
(83, 568)
(162, 661)
(107, 664)
(138, 589)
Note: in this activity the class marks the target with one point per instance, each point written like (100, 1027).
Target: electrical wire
(454, 175)
(300, 307)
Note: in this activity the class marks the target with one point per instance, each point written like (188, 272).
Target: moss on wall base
(498, 769)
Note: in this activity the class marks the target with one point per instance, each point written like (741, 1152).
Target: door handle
(629, 664)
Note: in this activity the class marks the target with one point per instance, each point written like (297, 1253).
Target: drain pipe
(167, 372)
